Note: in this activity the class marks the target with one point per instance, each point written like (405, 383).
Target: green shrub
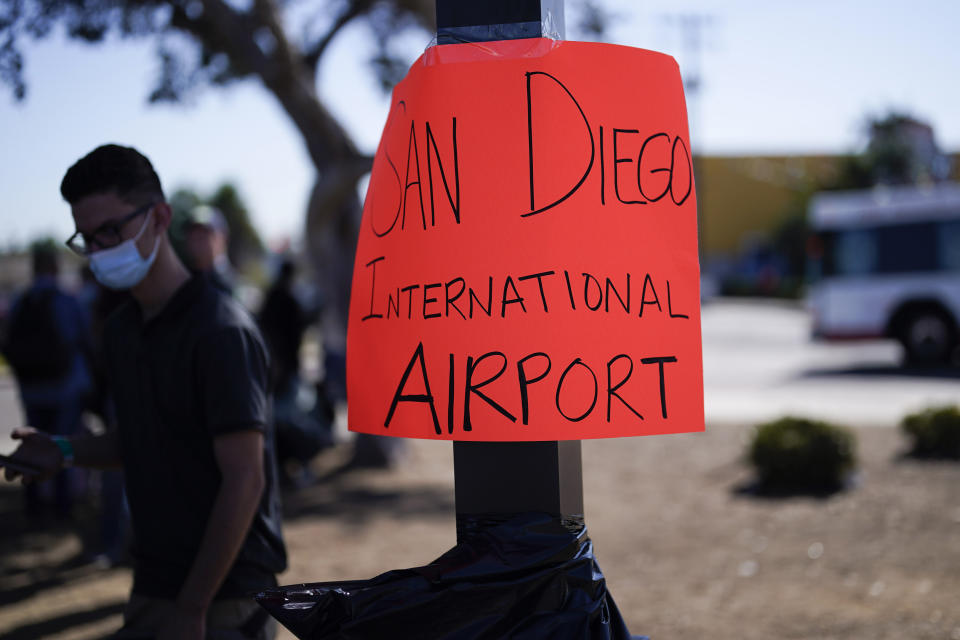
(935, 432)
(800, 454)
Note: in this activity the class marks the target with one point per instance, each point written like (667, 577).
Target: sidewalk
(686, 554)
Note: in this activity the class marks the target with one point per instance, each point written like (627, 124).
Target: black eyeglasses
(106, 235)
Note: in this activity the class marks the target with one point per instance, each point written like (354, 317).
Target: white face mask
(122, 266)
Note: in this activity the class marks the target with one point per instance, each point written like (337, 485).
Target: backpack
(35, 347)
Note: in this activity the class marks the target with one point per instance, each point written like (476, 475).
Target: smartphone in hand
(20, 466)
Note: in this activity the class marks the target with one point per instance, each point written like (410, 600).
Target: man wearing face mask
(188, 371)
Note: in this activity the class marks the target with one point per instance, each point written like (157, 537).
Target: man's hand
(239, 458)
(37, 450)
(185, 625)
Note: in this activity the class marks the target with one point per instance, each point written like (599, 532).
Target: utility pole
(494, 480)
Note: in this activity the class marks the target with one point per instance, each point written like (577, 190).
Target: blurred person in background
(187, 371)
(206, 238)
(283, 320)
(303, 417)
(47, 347)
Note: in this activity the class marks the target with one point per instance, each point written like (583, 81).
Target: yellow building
(742, 199)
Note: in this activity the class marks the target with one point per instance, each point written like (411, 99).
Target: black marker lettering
(663, 390)
(643, 150)
(409, 291)
(603, 172)
(612, 388)
(525, 382)
(452, 302)
(566, 275)
(393, 305)
(593, 149)
(414, 151)
(673, 159)
(427, 397)
(610, 287)
(563, 377)
(455, 205)
(587, 279)
(472, 388)
(450, 396)
(670, 305)
(428, 300)
(617, 160)
(643, 296)
(373, 286)
(393, 167)
(504, 301)
(539, 277)
(489, 308)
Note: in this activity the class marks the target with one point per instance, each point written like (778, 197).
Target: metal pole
(465, 21)
(497, 479)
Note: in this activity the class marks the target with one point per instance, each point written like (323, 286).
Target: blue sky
(777, 77)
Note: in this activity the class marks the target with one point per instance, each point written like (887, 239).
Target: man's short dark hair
(112, 168)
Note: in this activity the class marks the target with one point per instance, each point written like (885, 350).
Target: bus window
(855, 252)
(907, 248)
(949, 249)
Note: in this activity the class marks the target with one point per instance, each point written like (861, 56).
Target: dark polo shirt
(196, 371)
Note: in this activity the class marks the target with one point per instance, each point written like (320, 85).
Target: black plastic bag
(529, 576)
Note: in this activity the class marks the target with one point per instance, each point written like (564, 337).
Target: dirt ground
(687, 554)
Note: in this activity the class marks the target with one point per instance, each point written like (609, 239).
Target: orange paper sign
(527, 263)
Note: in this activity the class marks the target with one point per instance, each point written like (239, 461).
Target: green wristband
(66, 449)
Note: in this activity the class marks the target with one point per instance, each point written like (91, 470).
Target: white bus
(885, 262)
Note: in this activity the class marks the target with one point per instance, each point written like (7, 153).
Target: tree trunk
(333, 212)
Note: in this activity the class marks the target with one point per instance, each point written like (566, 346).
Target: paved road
(759, 363)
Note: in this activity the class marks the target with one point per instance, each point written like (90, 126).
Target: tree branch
(266, 11)
(282, 71)
(222, 29)
(353, 9)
